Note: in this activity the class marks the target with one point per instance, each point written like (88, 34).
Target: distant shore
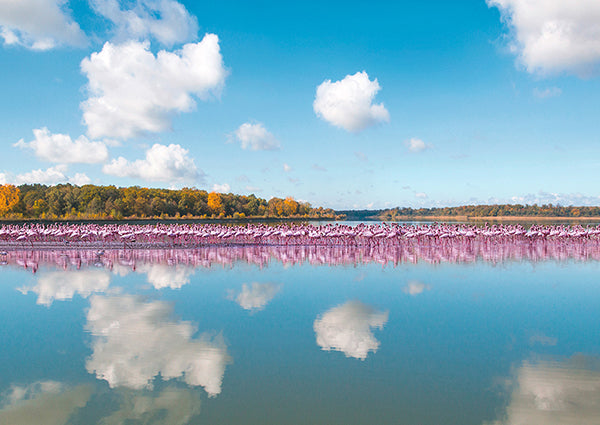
(528, 218)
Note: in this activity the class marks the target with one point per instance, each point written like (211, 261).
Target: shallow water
(163, 339)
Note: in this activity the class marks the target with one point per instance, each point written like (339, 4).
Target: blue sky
(342, 104)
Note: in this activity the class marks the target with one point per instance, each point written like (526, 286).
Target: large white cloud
(62, 149)
(348, 328)
(135, 341)
(63, 285)
(348, 103)
(256, 137)
(42, 403)
(166, 20)
(555, 393)
(52, 175)
(38, 24)
(255, 297)
(163, 163)
(552, 36)
(133, 92)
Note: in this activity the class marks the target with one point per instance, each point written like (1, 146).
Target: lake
(267, 335)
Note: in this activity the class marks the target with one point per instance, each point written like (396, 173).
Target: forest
(502, 210)
(91, 202)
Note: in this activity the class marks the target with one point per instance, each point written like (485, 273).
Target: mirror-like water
(297, 335)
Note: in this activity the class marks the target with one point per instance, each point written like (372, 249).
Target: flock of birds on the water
(92, 245)
(191, 235)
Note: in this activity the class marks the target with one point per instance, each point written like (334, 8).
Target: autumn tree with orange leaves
(9, 197)
(214, 203)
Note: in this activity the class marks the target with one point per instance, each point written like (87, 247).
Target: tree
(9, 197)
(214, 203)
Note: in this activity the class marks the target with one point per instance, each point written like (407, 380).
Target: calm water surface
(163, 342)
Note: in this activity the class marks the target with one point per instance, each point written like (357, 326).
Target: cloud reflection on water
(348, 328)
(555, 393)
(255, 297)
(42, 403)
(63, 285)
(135, 341)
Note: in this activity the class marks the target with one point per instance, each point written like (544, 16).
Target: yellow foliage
(214, 202)
(9, 197)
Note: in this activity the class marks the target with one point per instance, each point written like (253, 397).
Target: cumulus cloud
(42, 403)
(546, 93)
(135, 341)
(63, 285)
(416, 145)
(133, 92)
(553, 36)
(255, 297)
(50, 176)
(62, 149)
(348, 103)
(163, 276)
(221, 188)
(39, 24)
(553, 393)
(162, 163)
(167, 21)
(415, 288)
(421, 195)
(287, 168)
(256, 137)
(348, 328)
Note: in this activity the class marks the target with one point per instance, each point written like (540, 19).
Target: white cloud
(287, 168)
(63, 285)
(163, 163)
(552, 36)
(133, 92)
(135, 341)
(50, 176)
(547, 92)
(256, 137)
(167, 21)
(42, 403)
(416, 145)
(255, 297)
(421, 195)
(348, 103)
(62, 149)
(415, 288)
(553, 393)
(164, 276)
(348, 328)
(39, 24)
(221, 188)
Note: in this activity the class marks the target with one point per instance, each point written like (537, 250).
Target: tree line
(497, 210)
(66, 201)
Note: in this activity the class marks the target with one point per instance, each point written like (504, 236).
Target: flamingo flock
(209, 246)
(196, 235)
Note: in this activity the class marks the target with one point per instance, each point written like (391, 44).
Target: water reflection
(63, 285)
(42, 403)
(415, 288)
(446, 251)
(171, 406)
(555, 393)
(348, 328)
(166, 276)
(256, 296)
(135, 341)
